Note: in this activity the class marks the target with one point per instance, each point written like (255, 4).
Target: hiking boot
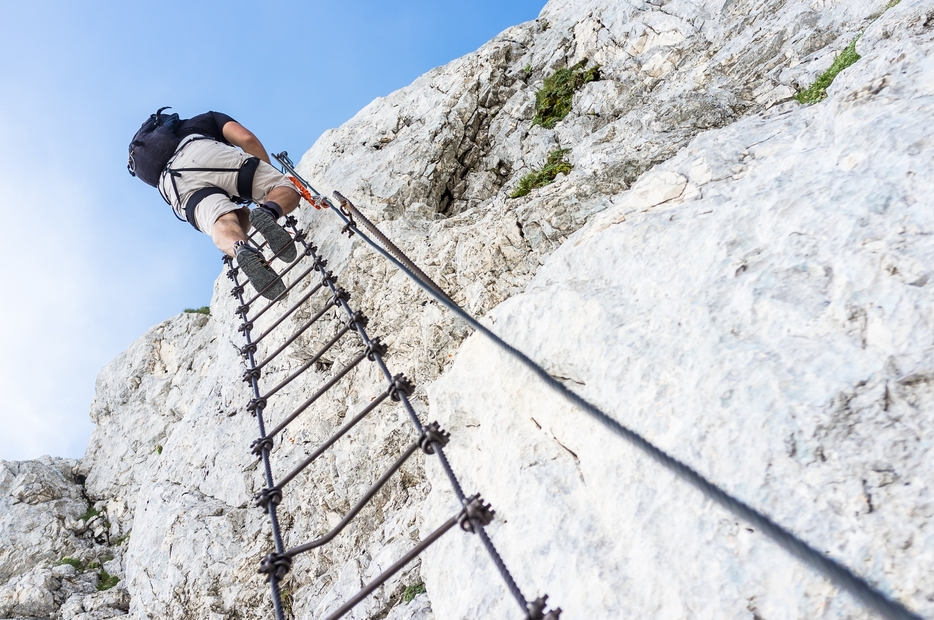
(266, 281)
(280, 242)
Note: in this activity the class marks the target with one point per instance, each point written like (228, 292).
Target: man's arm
(240, 136)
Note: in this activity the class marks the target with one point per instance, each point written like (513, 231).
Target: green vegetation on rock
(818, 90)
(90, 514)
(78, 564)
(412, 591)
(555, 165)
(286, 598)
(202, 310)
(553, 101)
(106, 581)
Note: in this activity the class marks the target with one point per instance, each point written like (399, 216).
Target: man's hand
(240, 136)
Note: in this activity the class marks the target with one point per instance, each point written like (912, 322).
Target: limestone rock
(40, 503)
(741, 279)
(773, 331)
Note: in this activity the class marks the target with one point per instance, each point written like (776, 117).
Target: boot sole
(280, 242)
(262, 277)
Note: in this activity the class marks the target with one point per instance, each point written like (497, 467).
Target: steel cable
(264, 454)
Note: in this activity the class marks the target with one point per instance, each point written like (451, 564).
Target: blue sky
(92, 257)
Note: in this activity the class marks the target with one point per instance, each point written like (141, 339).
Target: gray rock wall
(759, 306)
(740, 278)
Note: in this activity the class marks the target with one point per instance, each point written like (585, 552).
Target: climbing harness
(474, 513)
(431, 439)
(245, 173)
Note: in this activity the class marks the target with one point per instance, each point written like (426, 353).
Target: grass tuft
(818, 90)
(202, 310)
(286, 598)
(555, 165)
(412, 591)
(122, 539)
(90, 514)
(106, 581)
(553, 101)
(78, 564)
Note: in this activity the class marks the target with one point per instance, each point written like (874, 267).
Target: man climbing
(209, 168)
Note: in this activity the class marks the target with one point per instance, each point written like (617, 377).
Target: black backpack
(153, 146)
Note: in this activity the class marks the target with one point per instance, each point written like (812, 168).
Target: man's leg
(229, 235)
(286, 197)
(230, 228)
(279, 201)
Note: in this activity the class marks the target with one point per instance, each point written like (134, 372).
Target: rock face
(741, 279)
(759, 306)
(55, 548)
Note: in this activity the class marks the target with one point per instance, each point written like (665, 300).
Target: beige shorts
(194, 153)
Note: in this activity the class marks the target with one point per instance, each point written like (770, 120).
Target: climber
(208, 168)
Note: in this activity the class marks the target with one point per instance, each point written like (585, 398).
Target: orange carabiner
(306, 194)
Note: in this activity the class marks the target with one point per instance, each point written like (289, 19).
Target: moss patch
(412, 591)
(555, 165)
(818, 90)
(202, 310)
(553, 101)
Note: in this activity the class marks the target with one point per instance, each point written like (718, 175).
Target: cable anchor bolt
(537, 610)
(268, 496)
(400, 385)
(328, 278)
(247, 349)
(236, 291)
(257, 447)
(346, 209)
(376, 347)
(475, 513)
(256, 403)
(433, 434)
(359, 319)
(340, 295)
(252, 373)
(232, 273)
(245, 327)
(275, 566)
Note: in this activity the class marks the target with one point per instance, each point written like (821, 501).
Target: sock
(272, 209)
